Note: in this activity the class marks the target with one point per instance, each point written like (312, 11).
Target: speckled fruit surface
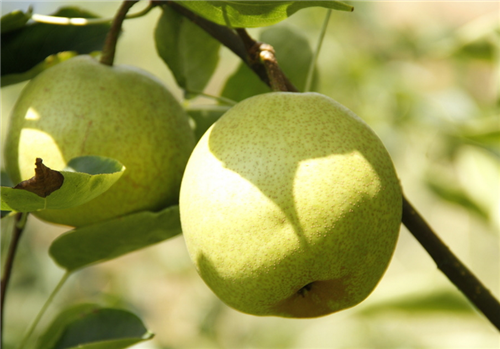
(81, 107)
(290, 206)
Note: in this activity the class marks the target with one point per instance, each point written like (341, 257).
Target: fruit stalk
(261, 58)
(109, 49)
(276, 76)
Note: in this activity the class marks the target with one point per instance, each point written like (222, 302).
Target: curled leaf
(85, 178)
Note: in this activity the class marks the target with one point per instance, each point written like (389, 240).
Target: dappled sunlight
(325, 143)
(34, 144)
(32, 114)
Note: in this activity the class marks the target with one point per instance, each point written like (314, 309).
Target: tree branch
(450, 265)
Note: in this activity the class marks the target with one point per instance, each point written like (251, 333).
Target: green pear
(82, 107)
(290, 206)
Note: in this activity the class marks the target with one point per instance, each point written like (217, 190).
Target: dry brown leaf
(45, 182)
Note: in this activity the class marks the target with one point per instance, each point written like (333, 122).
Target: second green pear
(82, 107)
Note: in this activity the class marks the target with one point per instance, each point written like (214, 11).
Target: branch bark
(245, 48)
(450, 265)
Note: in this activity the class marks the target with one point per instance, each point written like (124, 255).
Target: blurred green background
(425, 77)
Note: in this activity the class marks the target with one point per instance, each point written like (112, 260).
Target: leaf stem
(218, 98)
(450, 265)
(19, 224)
(310, 73)
(109, 49)
(29, 332)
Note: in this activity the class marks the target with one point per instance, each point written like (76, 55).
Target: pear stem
(261, 56)
(19, 224)
(109, 49)
(276, 76)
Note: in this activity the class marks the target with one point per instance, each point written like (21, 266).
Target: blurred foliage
(24, 48)
(424, 76)
(441, 301)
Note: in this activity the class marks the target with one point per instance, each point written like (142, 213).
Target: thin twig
(19, 224)
(109, 49)
(450, 265)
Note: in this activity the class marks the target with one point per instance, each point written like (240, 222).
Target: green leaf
(14, 20)
(456, 195)
(483, 50)
(5, 182)
(100, 242)
(85, 178)
(243, 83)
(433, 302)
(486, 136)
(90, 326)
(30, 45)
(252, 14)
(205, 116)
(294, 56)
(48, 62)
(55, 330)
(189, 52)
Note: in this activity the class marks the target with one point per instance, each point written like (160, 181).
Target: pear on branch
(82, 107)
(290, 206)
